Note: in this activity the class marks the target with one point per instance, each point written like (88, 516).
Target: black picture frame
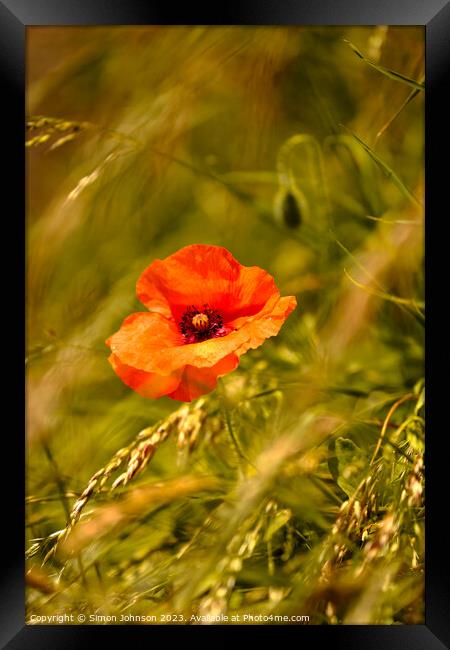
(15, 17)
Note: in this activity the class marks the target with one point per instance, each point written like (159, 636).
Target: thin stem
(229, 425)
(62, 495)
(391, 412)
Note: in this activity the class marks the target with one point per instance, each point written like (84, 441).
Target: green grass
(296, 488)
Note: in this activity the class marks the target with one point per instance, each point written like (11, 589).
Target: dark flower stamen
(201, 324)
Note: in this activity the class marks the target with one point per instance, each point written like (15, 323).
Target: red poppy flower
(205, 310)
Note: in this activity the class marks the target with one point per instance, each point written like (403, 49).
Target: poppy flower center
(201, 324)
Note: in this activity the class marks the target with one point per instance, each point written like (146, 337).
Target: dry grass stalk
(134, 504)
(189, 429)
(37, 579)
(60, 130)
(187, 420)
(241, 547)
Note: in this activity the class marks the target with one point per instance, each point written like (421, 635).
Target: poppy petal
(268, 323)
(198, 381)
(147, 384)
(141, 338)
(150, 342)
(203, 274)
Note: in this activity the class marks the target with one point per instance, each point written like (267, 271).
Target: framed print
(224, 323)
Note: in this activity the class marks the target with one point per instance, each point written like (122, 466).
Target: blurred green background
(289, 149)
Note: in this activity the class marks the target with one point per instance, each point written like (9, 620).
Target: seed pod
(292, 217)
(288, 207)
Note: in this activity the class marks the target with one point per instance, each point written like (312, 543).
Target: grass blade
(388, 172)
(396, 76)
(409, 99)
(411, 305)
